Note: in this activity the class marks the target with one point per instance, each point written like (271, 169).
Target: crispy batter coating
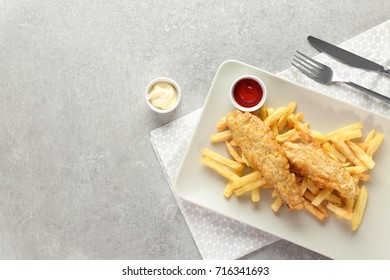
(307, 158)
(259, 146)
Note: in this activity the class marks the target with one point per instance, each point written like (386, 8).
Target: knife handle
(370, 92)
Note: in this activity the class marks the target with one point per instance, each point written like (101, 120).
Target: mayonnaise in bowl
(163, 95)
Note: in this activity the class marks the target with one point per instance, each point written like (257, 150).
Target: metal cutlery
(347, 57)
(324, 74)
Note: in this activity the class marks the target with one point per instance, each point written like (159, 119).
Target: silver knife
(346, 56)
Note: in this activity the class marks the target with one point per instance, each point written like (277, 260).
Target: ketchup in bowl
(248, 93)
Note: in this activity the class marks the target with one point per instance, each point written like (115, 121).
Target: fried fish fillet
(260, 148)
(307, 158)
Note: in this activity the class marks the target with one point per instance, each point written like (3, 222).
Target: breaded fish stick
(259, 146)
(307, 158)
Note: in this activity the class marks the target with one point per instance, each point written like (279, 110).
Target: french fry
(321, 196)
(221, 136)
(263, 112)
(275, 206)
(360, 154)
(334, 199)
(332, 149)
(310, 197)
(364, 176)
(275, 115)
(220, 168)
(233, 153)
(374, 144)
(370, 136)
(349, 204)
(346, 151)
(356, 169)
(358, 210)
(284, 137)
(311, 186)
(244, 159)
(282, 122)
(244, 180)
(314, 210)
(255, 195)
(221, 159)
(348, 135)
(222, 124)
(228, 191)
(339, 132)
(340, 212)
(233, 143)
(249, 187)
(362, 145)
(274, 128)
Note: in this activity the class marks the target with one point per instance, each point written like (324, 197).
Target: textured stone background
(78, 176)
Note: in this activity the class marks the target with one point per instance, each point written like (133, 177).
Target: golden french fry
(363, 146)
(321, 196)
(222, 124)
(314, 210)
(332, 149)
(374, 144)
(340, 212)
(284, 137)
(221, 136)
(275, 206)
(282, 122)
(255, 195)
(339, 132)
(364, 176)
(249, 187)
(233, 153)
(245, 160)
(244, 180)
(221, 159)
(348, 135)
(334, 199)
(370, 136)
(300, 116)
(358, 210)
(263, 112)
(356, 169)
(275, 115)
(233, 143)
(228, 191)
(360, 154)
(274, 128)
(311, 186)
(310, 197)
(220, 168)
(346, 151)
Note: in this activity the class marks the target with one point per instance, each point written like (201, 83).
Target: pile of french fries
(345, 145)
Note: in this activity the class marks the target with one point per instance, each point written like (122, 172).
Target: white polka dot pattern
(218, 237)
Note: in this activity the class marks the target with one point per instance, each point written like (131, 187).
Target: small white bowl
(159, 80)
(258, 105)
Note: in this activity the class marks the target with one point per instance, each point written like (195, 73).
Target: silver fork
(324, 74)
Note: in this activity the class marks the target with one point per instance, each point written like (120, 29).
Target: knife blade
(347, 57)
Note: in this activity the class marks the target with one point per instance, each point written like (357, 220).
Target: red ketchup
(248, 93)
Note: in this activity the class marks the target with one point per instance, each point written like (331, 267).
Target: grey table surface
(78, 176)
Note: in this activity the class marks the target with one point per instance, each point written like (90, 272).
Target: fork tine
(305, 64)
(312, 60)
(304, 71)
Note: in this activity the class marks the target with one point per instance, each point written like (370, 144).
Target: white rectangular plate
(334, 237)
